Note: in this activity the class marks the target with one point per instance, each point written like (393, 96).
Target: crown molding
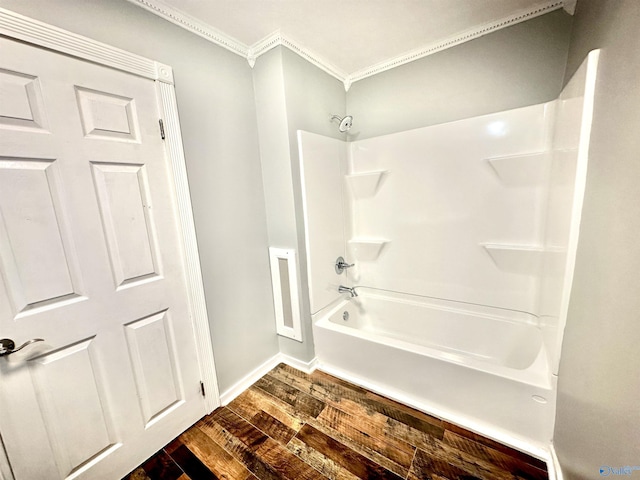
(278, 39)
(193, 25)
(263, 46)
(569, 6)
(315, 59)
(251, 53)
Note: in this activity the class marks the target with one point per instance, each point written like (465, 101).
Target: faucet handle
(341, 265)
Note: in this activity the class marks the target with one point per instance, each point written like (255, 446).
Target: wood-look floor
(290, 425)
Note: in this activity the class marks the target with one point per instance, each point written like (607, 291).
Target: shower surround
(463, 237)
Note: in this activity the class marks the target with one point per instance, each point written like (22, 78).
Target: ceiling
(348, 36)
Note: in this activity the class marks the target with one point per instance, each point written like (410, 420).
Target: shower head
(345, 122)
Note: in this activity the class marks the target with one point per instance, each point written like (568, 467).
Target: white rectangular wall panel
(284, 281)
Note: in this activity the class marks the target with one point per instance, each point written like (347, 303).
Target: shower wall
(323, 165)
(567, 176)
(457, 211)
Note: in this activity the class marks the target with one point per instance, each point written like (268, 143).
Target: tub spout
(352, 290)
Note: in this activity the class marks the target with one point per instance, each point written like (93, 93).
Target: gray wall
(598, 417)
(311, 97)
(514, 67)
(217, 113)
(291, 94)
(268, 84)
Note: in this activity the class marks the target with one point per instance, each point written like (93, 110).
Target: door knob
(8, 346)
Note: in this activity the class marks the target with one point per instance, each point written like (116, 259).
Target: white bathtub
(480, 367)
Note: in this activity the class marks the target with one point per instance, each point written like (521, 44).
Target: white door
(90, 261)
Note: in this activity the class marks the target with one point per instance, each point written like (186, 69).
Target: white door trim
(195, 284)
(32, 31)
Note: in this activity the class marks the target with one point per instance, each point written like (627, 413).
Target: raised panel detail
(122, 191)
(35, 247)
(151, 347)
(106, 115)
(70, 398)
(21, 105)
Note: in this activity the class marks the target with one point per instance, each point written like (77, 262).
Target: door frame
(40, 34)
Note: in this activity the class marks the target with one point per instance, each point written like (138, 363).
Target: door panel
(151, 346)
(30, 223)
(106, 115)
(70, 403)
(122, 191)
(91, 261)
(21, 103)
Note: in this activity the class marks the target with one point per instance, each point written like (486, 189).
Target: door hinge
(161, 129)
(202, 389)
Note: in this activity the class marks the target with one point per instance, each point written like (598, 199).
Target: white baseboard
(252, 377)
(248, 380)
(306, 367)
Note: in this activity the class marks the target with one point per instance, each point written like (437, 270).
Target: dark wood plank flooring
(294, 426)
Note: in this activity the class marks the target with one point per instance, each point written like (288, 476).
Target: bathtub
(480, 367)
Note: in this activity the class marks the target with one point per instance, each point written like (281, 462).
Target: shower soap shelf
(524, 259)
(367, 249)
(366, 184)
(529, 169)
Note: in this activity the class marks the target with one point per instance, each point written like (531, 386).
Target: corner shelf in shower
(367, 249)
(529, 169)
(524, 259)
(366, 184)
